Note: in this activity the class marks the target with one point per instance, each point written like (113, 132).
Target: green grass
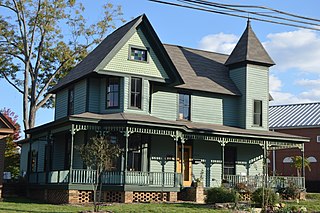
(20, 205)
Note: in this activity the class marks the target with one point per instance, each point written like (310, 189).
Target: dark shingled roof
(202, 70)
(188, 125)
(249, 49)
(94, 58)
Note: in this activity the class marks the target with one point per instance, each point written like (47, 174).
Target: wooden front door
(187, 179)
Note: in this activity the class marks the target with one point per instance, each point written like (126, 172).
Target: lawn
(20, 205)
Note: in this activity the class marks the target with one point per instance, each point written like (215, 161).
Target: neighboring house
(176, 112)
(6, 128)
(298, 119)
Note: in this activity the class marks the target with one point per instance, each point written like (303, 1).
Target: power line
(228, 10)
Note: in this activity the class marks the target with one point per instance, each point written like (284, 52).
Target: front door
(187, 158)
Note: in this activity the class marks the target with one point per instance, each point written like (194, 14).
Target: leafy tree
(41, 40)
(99, 154)
(297, 163)
(11, 155)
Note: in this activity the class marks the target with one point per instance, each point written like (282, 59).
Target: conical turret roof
(249, 49)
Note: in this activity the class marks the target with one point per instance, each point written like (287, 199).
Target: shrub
(221, 195)
(270, 197)
(289, 192)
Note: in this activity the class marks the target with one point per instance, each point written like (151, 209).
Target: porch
(257, 181)
(115, 178)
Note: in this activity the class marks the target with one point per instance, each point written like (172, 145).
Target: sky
(294, 79)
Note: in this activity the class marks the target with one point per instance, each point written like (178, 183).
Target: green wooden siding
(120, 62)
(257, 89)
(58, 152)
(94, 95)
(103, 94)
(80, 91)
(145, 97)
(160, 148)
(61, 107)
(239, 78)
(39, 147)
(249, 159)
(164, 103)
(206, 109)
(210, 155)
(231, 111)
(25, 148)
(78, 140)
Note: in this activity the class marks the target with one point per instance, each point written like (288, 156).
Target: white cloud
(308, 82)
(280, 97)
(221, 43)
(298, 49)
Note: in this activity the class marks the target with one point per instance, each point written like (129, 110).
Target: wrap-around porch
(177, 166)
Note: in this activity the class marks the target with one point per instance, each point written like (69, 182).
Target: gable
(120, 62)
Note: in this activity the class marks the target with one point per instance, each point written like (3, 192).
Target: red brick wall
(311, 149)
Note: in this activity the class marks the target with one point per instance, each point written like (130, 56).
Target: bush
(271, 196)
(221, 195)
(289, 192)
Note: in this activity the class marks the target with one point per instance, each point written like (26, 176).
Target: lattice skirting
(106, 196)
(57, 196)
(245, 196)
(145, 197)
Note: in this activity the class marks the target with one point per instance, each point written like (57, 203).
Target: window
(318, 138)
(113, 92)
(138, 153)
(138, 54)
(257, 113)
(71, 101)
(135, 92)
(230, 155)
(184, 107)
(33, 161)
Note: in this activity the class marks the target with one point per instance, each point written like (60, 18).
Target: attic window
(138, 54)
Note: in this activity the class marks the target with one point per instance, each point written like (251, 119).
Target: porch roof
(187, 126)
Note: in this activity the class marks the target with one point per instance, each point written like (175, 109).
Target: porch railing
(257, 181)
(82, 176)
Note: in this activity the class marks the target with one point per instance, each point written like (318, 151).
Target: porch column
(222, 159)
(71, 153)
(175, 161)
(303, 168)
(126, 147)
(265, 163)
(182, 159)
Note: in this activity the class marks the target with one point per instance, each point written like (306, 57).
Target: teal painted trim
(137, 188)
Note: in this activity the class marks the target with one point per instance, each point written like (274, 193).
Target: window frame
(146, 49)
(230, 166)
(70, 110)
(130, 93)
(184, 106)
(108, 80)
(260, 114)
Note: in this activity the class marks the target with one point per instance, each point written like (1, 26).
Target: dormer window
(257, 113)
(138, 54)
(113, 92)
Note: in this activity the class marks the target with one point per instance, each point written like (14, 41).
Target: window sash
(138, 54)
(257, 113)
(184, 106)
(113, 92)
(71, 102)
(135, 92)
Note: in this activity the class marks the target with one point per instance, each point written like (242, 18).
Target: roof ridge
(294, 104)
(192, 48)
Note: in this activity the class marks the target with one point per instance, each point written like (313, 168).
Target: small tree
(99, 154)
(11, 155)
(297, 163)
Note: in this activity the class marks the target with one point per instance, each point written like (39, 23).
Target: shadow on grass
(27, 211)
(21, 200)
(190, 205)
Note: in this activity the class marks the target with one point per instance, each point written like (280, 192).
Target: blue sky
(295, 78)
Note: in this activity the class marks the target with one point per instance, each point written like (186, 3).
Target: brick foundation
(173, 196)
